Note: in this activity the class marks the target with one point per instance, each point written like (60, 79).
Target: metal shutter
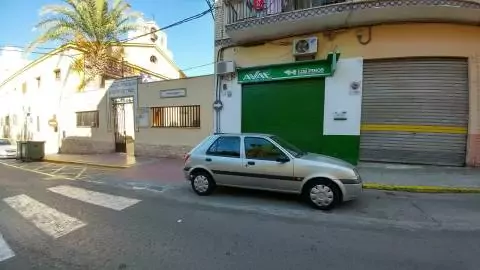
(415, 111)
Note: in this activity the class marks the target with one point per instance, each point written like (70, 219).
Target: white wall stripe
(5, 251)
(97, 198)
(47, 219)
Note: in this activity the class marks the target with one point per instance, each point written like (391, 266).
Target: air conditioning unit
(305, 46)
(225, 67)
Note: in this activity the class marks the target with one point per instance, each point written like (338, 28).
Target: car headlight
(357, 175)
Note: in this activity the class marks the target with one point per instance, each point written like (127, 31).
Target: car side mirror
(283, 159)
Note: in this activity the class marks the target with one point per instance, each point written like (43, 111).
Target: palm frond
(93, 27)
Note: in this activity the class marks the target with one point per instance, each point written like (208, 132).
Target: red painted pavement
(162, 170)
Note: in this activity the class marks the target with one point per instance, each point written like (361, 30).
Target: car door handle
(251, 163)
(208, 159)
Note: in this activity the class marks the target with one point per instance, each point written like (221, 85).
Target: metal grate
(176, 116)
(415, 110)
(245, 10)
(87, 119)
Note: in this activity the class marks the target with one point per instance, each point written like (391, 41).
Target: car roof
(244, 134)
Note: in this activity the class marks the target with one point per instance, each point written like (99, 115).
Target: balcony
(256, 20)
(119, 69)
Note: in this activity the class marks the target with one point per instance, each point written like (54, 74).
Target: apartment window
(176, 116)
(58, 74)
(38, 81)
(87, 119)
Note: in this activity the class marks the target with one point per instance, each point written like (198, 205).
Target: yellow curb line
(87, 163)
(421, 189)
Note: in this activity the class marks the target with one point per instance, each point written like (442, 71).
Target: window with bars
(176, 116)
(87, 119)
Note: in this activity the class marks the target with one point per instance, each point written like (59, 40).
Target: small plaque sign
(173, 93)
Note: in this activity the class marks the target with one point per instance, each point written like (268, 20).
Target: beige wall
(175, 142)
(389, 41)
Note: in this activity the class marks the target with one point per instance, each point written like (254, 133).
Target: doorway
(123, 124)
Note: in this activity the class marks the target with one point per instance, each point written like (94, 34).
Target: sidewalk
(420, 178)
(119, 161)
(163, 171)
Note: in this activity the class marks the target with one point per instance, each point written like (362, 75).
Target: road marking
(97, 198)
(58, 169)
(80, 173)
(47, 219)
(39, 172)
(5, 251)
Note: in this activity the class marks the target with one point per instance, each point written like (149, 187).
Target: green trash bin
(30, 150)
(21, 150)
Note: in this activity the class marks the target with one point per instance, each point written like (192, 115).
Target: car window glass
(225, 147)
(4, 142)
(261, 149)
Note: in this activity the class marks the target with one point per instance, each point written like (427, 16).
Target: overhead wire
(177, 23)
(191, 18)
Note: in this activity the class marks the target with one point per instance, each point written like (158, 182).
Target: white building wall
(61, 100)
(42, 102)
(140, 56)
(341, 100)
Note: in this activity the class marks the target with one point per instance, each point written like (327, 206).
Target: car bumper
(352, 191)
(9, 155)
(186, 173)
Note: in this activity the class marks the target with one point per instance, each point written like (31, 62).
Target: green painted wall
(294, 109)
(345, 147)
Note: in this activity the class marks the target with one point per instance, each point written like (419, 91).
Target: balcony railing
(119, 69)
(255, 20)
(241, 10)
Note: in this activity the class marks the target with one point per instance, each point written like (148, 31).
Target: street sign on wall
(296, 70)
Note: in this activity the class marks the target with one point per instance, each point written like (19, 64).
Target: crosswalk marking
(49, 220)
(97, 198)
(5, 251)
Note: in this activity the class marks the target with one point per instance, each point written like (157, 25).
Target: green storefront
(288, 100)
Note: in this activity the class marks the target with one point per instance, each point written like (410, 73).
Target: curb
(87, 163)
(421, 189)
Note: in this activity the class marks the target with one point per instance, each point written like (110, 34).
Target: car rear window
(226, 146)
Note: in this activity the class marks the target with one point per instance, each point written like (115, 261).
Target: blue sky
(191, 43)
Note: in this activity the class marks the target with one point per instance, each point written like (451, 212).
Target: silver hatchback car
(267, 162)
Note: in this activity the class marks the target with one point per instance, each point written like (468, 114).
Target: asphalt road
(50, 223)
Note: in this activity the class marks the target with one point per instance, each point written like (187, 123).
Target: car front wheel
(323, 195)
(202, 183)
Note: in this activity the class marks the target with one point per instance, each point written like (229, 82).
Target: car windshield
(292, 149)
(5, 142)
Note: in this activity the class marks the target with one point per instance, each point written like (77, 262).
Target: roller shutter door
(415, 111)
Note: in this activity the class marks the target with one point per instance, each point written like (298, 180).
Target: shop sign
(122, 87)
(297, 70)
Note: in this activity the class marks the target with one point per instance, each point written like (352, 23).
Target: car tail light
(186, 157)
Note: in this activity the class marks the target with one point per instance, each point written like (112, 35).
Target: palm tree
(93, 27)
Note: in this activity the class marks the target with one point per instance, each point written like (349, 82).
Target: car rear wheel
(322, 194)
(202, 183)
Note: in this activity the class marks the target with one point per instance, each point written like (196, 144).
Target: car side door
(224, 160)
(267, 166)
